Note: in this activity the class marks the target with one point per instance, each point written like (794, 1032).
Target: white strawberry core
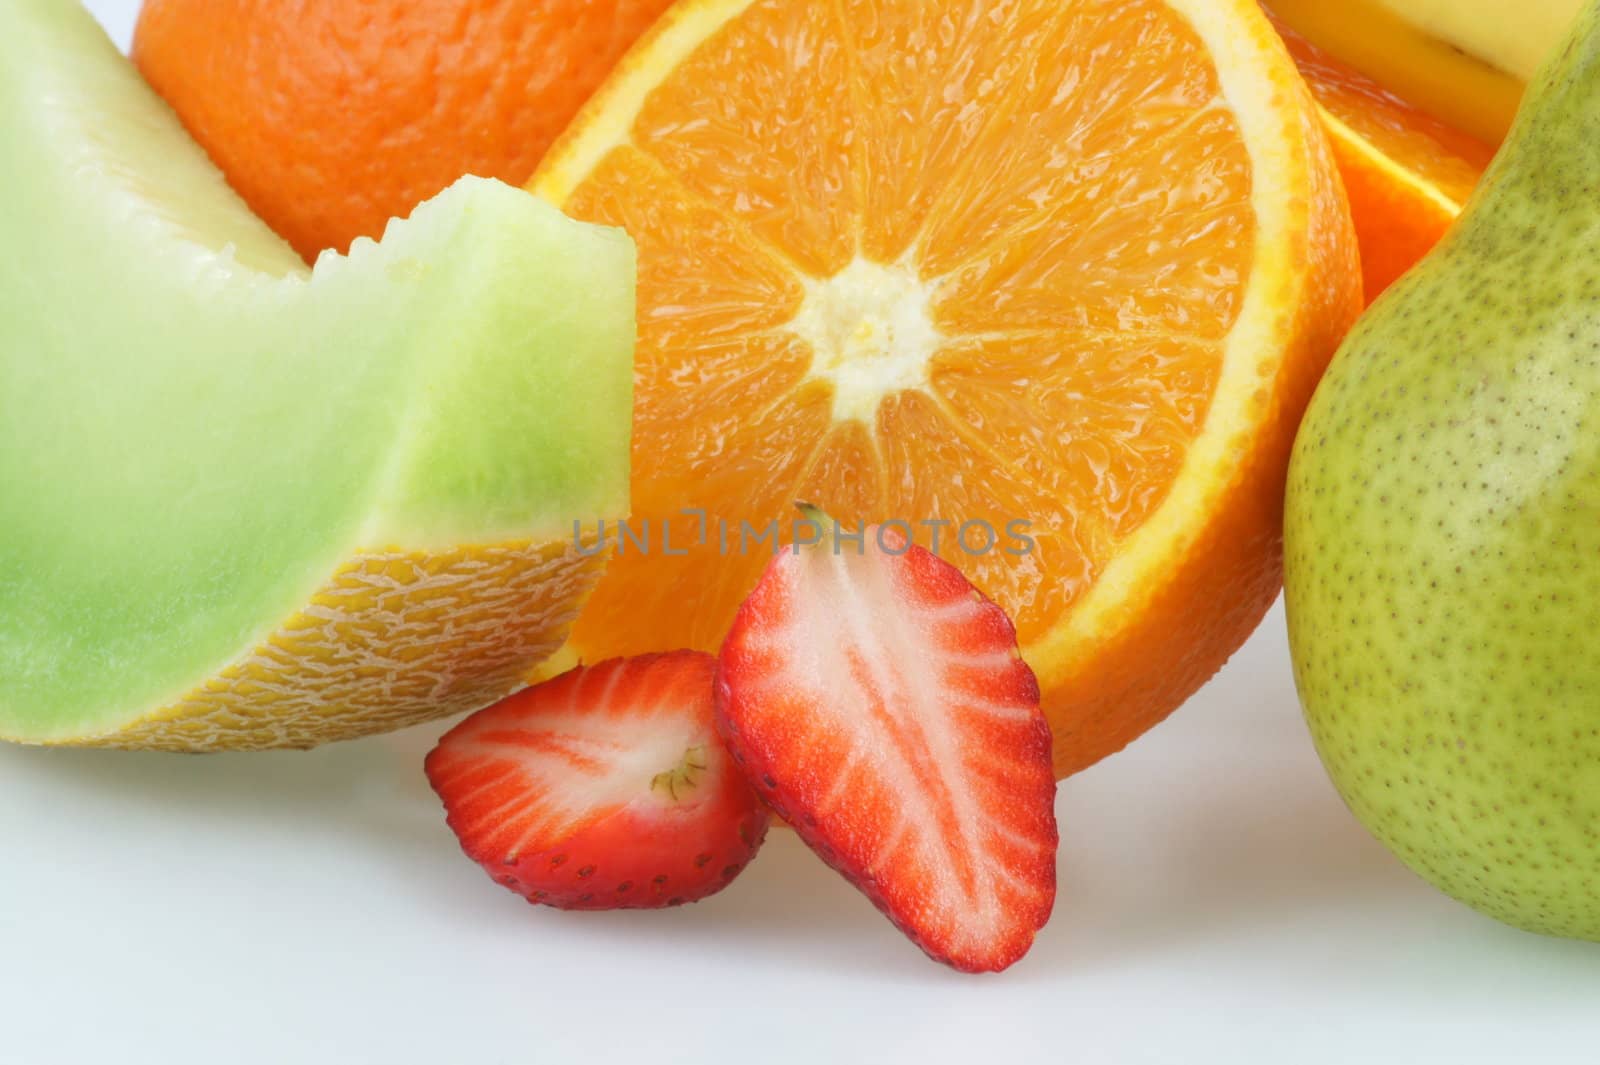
(587, 762)
(870, 334)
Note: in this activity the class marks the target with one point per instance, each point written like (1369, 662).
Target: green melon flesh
(195, 430)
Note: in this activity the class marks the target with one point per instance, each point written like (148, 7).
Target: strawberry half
(605, 788)
(879, 702)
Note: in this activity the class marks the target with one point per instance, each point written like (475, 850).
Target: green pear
(1442, 535)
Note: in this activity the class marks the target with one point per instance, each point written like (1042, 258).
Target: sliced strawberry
(879, 703)
(605, 788)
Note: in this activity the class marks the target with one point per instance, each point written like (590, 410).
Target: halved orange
(1076, 264)
(1407, 173)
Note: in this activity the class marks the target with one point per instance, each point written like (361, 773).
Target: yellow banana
(1464, 61)
(1512, 35)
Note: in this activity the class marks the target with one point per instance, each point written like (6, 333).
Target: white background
(1217, 904)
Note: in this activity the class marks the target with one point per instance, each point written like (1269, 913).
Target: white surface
(1217, 905)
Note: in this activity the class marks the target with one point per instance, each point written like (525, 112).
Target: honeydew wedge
(245, 505)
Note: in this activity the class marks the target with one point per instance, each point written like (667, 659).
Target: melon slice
(245, 505)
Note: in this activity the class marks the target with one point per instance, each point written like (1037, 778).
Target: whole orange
(332, 116)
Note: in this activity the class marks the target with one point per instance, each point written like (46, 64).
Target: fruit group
(247, 505)
(332, 117)
(1443, 535)
(955, 263)
(882, 706)
(605, 788)
(1407, 174)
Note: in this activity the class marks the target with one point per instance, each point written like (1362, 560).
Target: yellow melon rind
(395, 638)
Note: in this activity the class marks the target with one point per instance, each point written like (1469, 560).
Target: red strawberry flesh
(879, 703)
(604, 788)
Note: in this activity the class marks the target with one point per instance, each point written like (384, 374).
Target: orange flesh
(1082, 229)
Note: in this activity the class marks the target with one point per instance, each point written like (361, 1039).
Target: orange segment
(1132, 78)
(1058, 274)
(792, 58)
(1407, 174)
(941, 473)
(757, 455)
(849, 472)
(1128, 435)
(1193, 230)
(909, 140)
(705, 275)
